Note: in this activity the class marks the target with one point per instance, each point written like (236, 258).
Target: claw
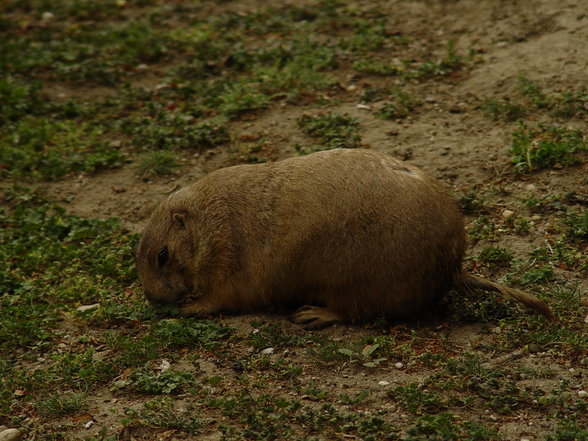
(315, 317)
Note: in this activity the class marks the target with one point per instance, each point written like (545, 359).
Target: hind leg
(315, 317)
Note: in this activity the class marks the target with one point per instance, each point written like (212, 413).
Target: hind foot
(315, 317)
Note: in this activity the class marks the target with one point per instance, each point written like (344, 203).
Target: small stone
(399, 365)
(10, 435)
(531, 187)
(582, 394)
(86, 308)
(47, 16)
(383, 383)
(534, 348)
(142, 67)
(535, 217)
(19, 393)
(508, 214)
(89, 424)
(584, 361)
(497, 330)
(267, 351)
(351, 88)
(163, 366)
(364, 107)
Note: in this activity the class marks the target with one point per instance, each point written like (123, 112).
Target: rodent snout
(166, 299)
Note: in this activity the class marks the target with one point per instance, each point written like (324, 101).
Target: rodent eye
(162, 257)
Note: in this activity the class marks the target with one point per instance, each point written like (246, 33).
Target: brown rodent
(355, 234)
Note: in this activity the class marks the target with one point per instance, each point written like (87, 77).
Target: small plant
(471, 202)
(158, 163)
(417, 400)
(533, 91)
(495, 257)
(162, 413)
(577, 225)
(545, 146)
(503, 109)
(538, 275)
(403, 103)
(483, 229)
(41, 148)
(374, 67)
(61, 404)
(332, 129)
(148, 381)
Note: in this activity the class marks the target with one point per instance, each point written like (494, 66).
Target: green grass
(158, 163)
(147, 84)
(546, 146)
(332, 130)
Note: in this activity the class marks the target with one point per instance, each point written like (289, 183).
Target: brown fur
(355, 233)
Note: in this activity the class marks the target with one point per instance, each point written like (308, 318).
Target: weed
(274, 336)
(471, 202)
(403, 103)
(375, 67)
(416, 400)
(61, 404)
(533, 91)
(49, 258)
(163, 414)
(80, 369)
(495, 257)
(18, 99)
(158, 163)
(40, 148)
(483, 229)
(372, 94)
(148, 381)
(538, 275)
(568, 431)
(189, 333)
(577, 225)
(545, 146)
(358, 398)
(448, 64)
(505, 109)
(333, 130)
(175, 130)
(571, 103)
(239, 98)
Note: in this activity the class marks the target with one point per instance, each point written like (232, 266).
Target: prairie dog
(353, 234)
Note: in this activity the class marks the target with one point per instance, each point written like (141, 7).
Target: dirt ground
(447, 135)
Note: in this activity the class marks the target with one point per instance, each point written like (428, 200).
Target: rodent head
(164, 255)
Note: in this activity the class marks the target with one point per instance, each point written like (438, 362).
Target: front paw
(198, 309)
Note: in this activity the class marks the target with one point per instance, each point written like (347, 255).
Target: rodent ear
(179, 220)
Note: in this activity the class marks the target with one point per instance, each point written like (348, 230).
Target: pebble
(383, 383)
(508, 214)
(399, 365)
(10, 435)
(364, 107)
(530, 187)
(85, 308)
(47, 16)
(267, 351)
(582, 394)
(584, 361)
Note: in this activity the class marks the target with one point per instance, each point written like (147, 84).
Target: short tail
(472, 283)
